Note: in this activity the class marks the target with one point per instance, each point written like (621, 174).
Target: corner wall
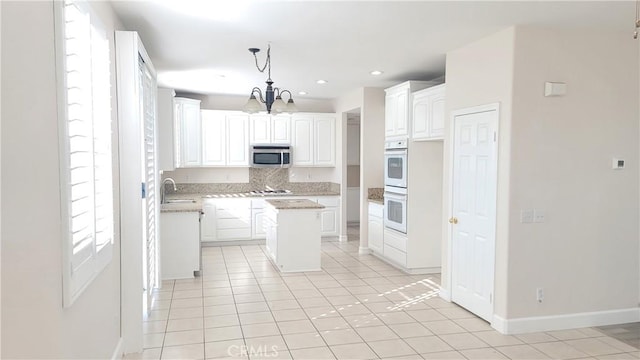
(555, 155)
(585, 254)
(34, 323)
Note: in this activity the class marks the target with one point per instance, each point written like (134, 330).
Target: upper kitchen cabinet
(314, 140)
(398, 108)
(270, 129)
(428, 114)
(188, 144)
(225, 137)
(166, 129)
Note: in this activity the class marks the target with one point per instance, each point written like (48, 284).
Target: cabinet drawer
(231, 234)
(376, 210)
(233, 213)
(396, 241)
(395, 255)
(233, 224)
(333, 201)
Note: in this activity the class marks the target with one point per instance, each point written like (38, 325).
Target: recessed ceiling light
(302, 93)
(321, 81)
(376, 72)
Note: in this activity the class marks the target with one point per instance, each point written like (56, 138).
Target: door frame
(128, 47)
(448, 295)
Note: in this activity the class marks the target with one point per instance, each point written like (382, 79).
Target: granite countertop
(198, 197)
(294, 204)
(376, 195)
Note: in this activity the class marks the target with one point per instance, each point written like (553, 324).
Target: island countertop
(294, 204)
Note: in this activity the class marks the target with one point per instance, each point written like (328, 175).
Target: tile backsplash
(259, 178)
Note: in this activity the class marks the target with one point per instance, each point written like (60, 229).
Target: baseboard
(445, 295)
(343, 238)
(410, 271)
(562, 322)
(119, 351)
(364, 251)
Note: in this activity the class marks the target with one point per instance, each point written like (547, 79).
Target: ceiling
(201, 46)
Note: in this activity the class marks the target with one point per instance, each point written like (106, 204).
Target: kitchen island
(292, 229)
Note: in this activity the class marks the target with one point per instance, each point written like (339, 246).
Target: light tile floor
(357, 307)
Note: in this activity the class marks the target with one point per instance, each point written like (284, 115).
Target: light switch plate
(526, 216)
(538, 216)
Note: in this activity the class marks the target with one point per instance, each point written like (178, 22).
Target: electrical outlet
(526, 216)
(538, 216)
(540, 294)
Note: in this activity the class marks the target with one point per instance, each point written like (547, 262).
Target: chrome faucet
(162, 188)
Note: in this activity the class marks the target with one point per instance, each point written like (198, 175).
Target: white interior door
(474, 209)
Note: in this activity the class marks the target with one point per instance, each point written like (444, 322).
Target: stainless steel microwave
(271, 155)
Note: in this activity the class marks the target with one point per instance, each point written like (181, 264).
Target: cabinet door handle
(453, 220)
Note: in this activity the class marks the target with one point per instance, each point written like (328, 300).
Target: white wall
(34, 324)
(585, 254)
(370, 101)
(482, 73)
(555, 155)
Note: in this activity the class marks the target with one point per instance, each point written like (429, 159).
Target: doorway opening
(353, 175)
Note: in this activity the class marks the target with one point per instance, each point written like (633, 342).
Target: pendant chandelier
(272, 96)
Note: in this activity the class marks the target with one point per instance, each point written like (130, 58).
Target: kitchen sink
(179, 201)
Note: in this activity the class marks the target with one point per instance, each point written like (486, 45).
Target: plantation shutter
(86, 157)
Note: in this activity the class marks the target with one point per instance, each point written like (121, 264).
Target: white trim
(118, 352)
(128, 49)
(410, 271)
(566, 321)
(449, 235)
(364, 250)
(343, 238)
(445, 295)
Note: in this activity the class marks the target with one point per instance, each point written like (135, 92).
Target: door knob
(453, 220)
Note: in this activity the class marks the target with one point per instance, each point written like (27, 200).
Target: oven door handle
(396, 152)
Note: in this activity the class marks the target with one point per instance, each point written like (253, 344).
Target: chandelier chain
(266, 64)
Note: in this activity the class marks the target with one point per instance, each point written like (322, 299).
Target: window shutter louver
(86, 156)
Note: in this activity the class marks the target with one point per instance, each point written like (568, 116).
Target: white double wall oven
(395, 185)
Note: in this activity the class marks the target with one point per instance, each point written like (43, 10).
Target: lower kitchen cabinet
(179, 244)
(329, 216)
(257, 219)
(243, 219)
(376, 227)
(226, 220)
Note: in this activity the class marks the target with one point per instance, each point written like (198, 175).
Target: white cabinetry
(314, 140)
(428, 113)
(214, 132)
(257, 219)
(270, 129)
(226, 220)
(166, 148)
(398, 108)
(188, 135)
(180, 244)
(225, 138)
(376, 227)
(236, 141)
(293, 238)
(329, 216)
(243, 218)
